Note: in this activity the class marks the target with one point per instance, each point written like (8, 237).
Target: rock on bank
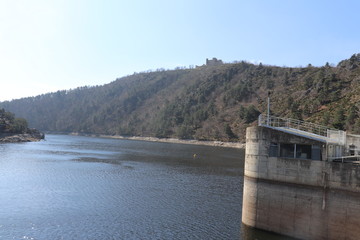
(32, 135)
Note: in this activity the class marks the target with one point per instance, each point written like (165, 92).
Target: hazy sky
(50, 45)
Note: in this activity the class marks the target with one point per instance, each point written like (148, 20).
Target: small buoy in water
(194, 155)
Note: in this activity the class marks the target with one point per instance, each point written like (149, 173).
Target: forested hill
(206, 103)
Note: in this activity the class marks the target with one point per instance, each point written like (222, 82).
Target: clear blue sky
(50, 45)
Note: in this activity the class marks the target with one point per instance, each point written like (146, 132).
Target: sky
(50, 45)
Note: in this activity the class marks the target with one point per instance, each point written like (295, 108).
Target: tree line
(10, 124)
(205, 103)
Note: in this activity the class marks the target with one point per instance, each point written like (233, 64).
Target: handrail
(351, 158)
(332, 134)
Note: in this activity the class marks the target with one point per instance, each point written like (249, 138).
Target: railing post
(259, 120)
(268, 109)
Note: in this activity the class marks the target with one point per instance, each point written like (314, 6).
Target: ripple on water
(81, 188)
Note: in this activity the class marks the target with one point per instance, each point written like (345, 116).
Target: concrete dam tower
(302, 180)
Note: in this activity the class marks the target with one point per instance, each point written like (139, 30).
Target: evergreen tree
(339, 119)
(229, 132)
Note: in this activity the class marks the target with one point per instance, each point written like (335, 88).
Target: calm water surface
(71, 187)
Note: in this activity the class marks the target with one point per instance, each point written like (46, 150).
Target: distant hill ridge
(211, 102)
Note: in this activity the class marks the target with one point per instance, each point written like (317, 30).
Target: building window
(316, 152)
(273, 150)
(287, 150)
(303, 151)
(352, 150)
(299, 151)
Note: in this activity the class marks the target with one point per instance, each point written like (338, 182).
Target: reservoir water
(71, 187)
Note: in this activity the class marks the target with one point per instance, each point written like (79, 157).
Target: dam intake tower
(302, 180)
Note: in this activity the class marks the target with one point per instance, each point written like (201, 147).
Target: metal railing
(346, 159)
(332, 134)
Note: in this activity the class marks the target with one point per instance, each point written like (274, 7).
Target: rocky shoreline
(170, 140)
(193, 142)
(32, 136)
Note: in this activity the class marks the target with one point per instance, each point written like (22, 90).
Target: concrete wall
(301, 198)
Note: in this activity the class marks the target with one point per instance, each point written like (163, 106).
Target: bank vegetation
(212, 103)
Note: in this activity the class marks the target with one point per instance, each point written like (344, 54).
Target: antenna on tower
(268, 108)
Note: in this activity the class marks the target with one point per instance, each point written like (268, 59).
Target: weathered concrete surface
(300, 198)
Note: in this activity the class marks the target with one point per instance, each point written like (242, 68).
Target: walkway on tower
(304, 129)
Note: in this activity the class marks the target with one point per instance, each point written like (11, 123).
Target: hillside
(214, 102)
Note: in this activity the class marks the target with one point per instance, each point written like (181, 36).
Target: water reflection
(249, 233)
(91, 188)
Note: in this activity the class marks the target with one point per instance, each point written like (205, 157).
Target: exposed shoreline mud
(171, 140)
(24, 137)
